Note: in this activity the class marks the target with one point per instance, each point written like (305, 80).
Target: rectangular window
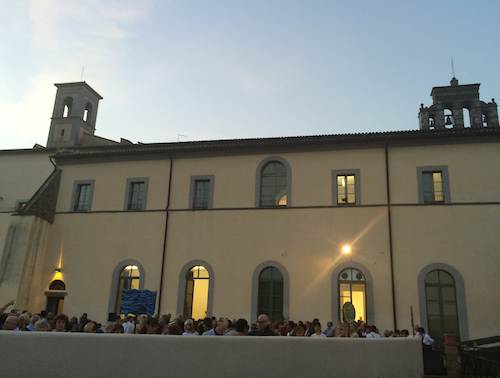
(346, 189)
(83, 197)
(433, 184)
(201, 193)
(136, 195)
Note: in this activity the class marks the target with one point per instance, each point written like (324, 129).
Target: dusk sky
(240, 69)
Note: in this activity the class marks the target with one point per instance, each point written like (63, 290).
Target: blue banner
(138, 302)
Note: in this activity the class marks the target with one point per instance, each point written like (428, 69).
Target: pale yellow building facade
(420, 213)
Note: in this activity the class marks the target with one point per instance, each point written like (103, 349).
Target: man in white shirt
(129, 325)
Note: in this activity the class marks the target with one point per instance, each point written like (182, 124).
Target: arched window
(449, 121)
(270, 293)
(130, 278)
(441, 304)
(352, 288)
(274, 186)
(67, 107)
(196, 294)
(87, 112)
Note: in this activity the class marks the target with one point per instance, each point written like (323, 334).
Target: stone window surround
(127, 192)
(446, 182)
(115, 278)
(460, 294)
(76, 183)
(357, 185)
(258, 179)
(211, 179)
(255, 287)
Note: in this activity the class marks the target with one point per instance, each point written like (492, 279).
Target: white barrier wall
(32, 354)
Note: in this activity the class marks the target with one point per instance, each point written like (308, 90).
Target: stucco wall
(86, 355)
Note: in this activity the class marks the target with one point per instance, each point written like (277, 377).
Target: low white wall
(32, 354)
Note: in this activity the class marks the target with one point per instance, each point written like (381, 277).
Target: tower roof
(79, 84)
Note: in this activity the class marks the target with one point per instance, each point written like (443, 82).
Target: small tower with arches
(74, 115)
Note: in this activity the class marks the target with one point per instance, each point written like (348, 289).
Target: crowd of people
(166, 325)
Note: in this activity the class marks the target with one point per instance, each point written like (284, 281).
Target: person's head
(421, 330)
(189, 326)
(263, 322)
(34, 319)
(24, 320)
(329, 324)
(117, 328)
(317, 328)
(299, 330)
(90, 327)
(11, 323)
(61, 322)
(388, 333)
(221, 325)
(174, 329)
(42, 325)
(404, 333)
(241, 326)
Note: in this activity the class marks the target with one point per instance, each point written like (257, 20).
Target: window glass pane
(270, 293)
(346, 189)
(273, 185)
(428, 187)
(137, 195)
(432, 277)
(82, 197)
(432, 293)
(201, 194)
(448, 293)
(433, 308)
(446, 278)
(438, 186)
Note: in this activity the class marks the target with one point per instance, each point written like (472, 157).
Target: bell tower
(457, 106)
(74, 114)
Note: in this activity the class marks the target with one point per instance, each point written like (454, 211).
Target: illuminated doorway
(352, 288)
(55, 297)
(196, 297)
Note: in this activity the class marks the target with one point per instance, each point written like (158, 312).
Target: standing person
(373, 333)
(129, 324)
(263, 327)
(11, 323)
(427, 340)
(33, 320)
(240, 328)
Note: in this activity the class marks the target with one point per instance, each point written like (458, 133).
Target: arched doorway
(197, 292)
(55, 297)
(441, 305)
(352, 288)
(270, 293)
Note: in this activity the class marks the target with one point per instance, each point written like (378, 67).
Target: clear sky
(237, 69)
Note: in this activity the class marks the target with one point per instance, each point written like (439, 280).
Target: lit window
(130, 278)
(136, 195)
(352, 288)
(346, 189)
(83, 197)
(433, 186)
(273, 185)
(196, 296)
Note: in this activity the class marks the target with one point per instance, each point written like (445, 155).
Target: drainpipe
(389, 224)
(164, 249)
